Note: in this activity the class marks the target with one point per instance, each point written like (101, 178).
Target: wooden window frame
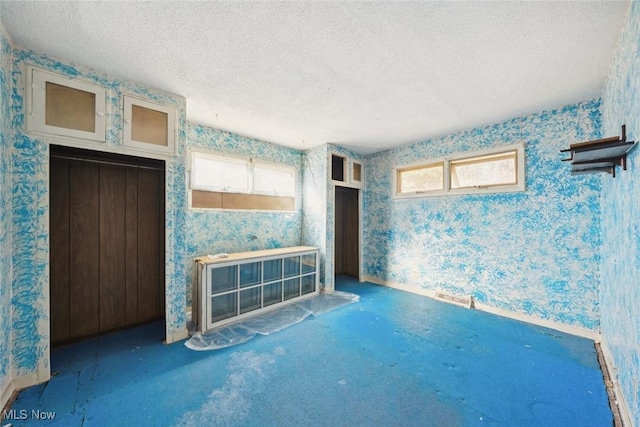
(468, 157)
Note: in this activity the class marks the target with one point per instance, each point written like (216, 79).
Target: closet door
(107, 246)
(347, 248)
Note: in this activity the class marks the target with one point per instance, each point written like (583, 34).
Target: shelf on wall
(601, 155)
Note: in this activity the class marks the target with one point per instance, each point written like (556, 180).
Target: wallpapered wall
(211, 232)
(5, 213)
(30, 183)
(314, 202)
(620, 288)
(534, 252)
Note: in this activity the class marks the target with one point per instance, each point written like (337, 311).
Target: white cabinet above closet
(149, 126)
(346, 171)
(63, 107)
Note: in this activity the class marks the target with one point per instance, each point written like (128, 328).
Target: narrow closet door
(347, 223)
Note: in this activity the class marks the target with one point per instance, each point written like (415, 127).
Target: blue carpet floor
(393, 359)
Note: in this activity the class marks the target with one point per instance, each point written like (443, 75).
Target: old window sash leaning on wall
(220, 181)
(495, 170)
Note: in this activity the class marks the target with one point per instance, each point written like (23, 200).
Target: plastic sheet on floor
(269, 322)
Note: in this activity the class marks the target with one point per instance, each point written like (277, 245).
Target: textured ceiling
(367, 76)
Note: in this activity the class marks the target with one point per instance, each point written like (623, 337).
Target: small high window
(420, 179)
(221, 182)
(488, 171)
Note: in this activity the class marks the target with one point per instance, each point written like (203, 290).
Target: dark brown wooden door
(347, 219)
(107, 242)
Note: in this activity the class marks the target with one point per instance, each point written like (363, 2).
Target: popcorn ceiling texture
(367, 76)
(620, 289)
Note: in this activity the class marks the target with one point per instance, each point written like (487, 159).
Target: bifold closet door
(107, 247)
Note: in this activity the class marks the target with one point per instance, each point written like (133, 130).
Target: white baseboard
(623, 408)
(568, 329)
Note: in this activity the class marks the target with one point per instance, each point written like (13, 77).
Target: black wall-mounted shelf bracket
(601, 155)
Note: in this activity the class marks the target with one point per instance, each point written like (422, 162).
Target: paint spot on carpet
(231, 403)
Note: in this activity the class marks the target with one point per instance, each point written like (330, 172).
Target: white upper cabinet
(62, 107)
(346, 172)
(149, 126)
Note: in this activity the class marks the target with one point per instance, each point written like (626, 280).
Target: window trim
(250, 192)
(519, 186)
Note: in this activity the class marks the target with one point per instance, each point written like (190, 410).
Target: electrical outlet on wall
(414, 273)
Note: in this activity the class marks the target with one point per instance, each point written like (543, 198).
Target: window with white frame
(487, 171)
(223, 182)
(273, 180)
(216, 173)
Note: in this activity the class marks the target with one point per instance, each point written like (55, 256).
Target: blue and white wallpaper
(5, 213)
(30, 213)
(620, 289)
(566, 250)
(314, 202)
(534, 252)
(217, 231)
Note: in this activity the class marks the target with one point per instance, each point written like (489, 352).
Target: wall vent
(464, 301)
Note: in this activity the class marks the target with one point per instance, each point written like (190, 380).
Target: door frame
(333, 260)
(105, 160)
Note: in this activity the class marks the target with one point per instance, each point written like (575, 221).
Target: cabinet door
(149, 126)
(356, 173)
(65, 107)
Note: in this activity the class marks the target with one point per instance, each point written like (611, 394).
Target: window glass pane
(223, 307)
(249, 274)
(272, 270)
(308, 284)
(272, 293)
(249, 300)
(223, 279)
(217, 173)
(273, 180)
(291, 266)
(422, 178)
(484, 171)
(308, 263)
(291, 288)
